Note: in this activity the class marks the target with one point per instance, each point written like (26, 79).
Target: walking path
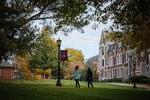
(147, 86)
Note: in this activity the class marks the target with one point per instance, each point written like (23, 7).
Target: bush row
(137, 79)
(140, 79)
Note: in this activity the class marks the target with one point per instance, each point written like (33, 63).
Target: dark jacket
(89, 75)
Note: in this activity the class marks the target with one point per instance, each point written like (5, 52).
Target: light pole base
(134, 85)
(58, 83)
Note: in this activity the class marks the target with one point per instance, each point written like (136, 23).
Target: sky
(87, 42)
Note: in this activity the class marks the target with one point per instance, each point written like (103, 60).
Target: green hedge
(140, 79)
(119, 80)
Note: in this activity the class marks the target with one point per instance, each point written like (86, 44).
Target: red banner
(64, 55)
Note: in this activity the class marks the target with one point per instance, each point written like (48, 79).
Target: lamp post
(129, 67)
(134, 67)
(58, 71)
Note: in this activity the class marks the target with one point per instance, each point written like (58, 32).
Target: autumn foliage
(23, 66)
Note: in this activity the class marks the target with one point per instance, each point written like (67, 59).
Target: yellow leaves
(75, 58)
(71, 66)
(23, 64)
(75, 55)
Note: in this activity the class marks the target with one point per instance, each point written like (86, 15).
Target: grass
(46, 90)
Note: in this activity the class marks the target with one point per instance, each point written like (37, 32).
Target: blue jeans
(77, 83)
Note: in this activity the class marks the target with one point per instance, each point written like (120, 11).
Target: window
(102, 51)
(126, 72)
(117, 59)
(115, 74)
(111, 61)
(124, 58)
(142, 54)
(114, 60)
(120, 74)
(120, 58)
(127, 55)
(103, 62)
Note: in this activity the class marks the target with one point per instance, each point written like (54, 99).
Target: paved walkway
(147, 86)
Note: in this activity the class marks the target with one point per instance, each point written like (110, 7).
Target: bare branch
(36, 15)
(42, 18)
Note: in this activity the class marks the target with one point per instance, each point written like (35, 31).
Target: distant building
(93, 64)
(8, 70)
(115, 61)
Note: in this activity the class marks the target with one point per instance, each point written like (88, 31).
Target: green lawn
(46, 90)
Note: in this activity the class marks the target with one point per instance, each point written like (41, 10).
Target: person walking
(76, 76)
(89, 78)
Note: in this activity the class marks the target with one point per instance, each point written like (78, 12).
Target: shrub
(140, 79)
(119, 80)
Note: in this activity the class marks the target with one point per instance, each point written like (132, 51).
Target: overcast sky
(87, 42)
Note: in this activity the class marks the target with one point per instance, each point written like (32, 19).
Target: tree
(75, 57)
(44, 53)
(17, 31)
(131, 19)
(23, 67)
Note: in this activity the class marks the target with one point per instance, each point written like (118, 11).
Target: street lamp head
(58, 42)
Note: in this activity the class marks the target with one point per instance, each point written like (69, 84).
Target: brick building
(7, 71)
(115, 61)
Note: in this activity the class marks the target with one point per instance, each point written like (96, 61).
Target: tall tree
(23, 67)
(44, 53)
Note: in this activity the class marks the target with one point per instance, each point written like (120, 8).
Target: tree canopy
(17, 17)
(17, 31)
(132, 21)
(44, 52)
